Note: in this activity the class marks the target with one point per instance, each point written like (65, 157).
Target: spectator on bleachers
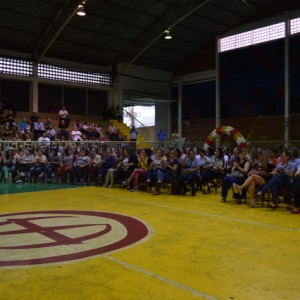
(27, 140)
(9, 119)
(99, 130)
(33, 118)
(44, 140)
(48, 124)
(77, 125)
(76, 135)
(112, 131)
(64, 115)
(2, 115)
(107, 114)
(118, 114)
(51, 133)
(85, 129)
(63, 132)
(38, 129)
(162, 136)
(24, 125)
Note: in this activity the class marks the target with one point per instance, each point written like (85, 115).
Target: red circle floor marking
(65, 231)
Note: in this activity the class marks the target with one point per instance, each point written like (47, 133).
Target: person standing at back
(161, 135)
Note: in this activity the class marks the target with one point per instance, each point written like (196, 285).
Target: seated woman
(66, 165)
(296, 209)
(26, 162)
(108, 162)
(9, 163)
(144, 161)
(240, 168)
(52, 165)
(191, 172)
(215, 169)
(170, 169)
(151, 175)
(282, 177)
(128, 163)
(121, 162)
(257, 176)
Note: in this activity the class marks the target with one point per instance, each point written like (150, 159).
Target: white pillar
(34, 105)
(218, 101)
(286, 83)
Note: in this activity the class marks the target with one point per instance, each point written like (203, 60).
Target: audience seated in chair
(257, 176)
(238, 174)
(283, 176)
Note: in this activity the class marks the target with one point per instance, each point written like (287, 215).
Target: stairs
(124, 131)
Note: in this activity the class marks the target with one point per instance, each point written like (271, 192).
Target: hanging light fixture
(80, 9)
(167, 34)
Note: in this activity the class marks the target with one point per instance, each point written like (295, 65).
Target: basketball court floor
(65, 242)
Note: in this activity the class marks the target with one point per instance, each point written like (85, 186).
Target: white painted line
(161, 278)
(204, 213)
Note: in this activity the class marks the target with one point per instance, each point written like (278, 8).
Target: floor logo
(39, 237)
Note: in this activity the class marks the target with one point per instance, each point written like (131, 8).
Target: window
(295, 26)
(73, 75)
(252, 37)
(15, 66)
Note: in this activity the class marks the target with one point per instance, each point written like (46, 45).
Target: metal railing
(100, 145)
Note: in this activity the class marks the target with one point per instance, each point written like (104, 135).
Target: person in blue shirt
(161, 135)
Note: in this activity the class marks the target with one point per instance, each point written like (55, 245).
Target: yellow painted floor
(197, 248)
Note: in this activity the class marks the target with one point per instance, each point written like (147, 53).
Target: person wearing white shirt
(76, 135)
(44, 140)
(64, 115)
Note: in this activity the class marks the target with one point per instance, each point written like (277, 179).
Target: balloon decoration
(228, 130)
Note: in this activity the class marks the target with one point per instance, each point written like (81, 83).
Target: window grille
(295, 26)
(252, 37)
(15, 66)
(51, 72)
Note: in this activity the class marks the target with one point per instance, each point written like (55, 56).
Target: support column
(286, 83)
(34, 105)
(218, 103)
(179, 126)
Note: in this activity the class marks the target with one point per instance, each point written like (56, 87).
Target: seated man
(63, 132)
(44, 140)
(80, 165)
(39, 129)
